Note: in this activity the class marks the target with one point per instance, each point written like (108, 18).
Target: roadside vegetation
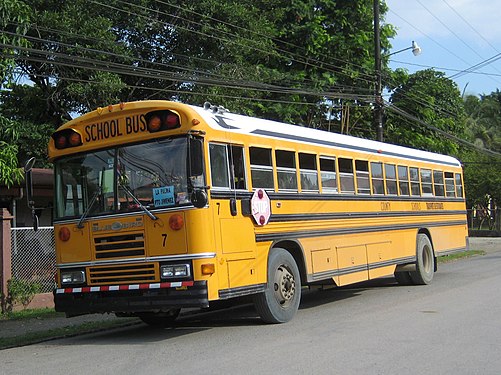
(48, 333)
(460, 255)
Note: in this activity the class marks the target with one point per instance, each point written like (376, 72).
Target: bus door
(234, 231)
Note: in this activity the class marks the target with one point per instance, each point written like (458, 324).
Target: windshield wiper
(131, 194)
(89, 207)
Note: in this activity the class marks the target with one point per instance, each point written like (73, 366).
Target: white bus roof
(228, 121)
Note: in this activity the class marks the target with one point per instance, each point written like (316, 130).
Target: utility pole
(378, 102)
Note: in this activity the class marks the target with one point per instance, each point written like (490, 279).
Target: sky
(454, 35)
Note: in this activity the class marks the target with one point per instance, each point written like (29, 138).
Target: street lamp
(416, 50)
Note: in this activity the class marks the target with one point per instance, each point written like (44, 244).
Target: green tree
(432, 99)
(276, 58)
(14, 19)
(483, 126)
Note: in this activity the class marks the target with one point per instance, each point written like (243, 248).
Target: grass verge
(45, 313)
(460, 255)
(68, 331)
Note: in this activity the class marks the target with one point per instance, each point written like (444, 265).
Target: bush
(21, 291)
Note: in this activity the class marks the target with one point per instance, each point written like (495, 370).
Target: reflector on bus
(162, 120)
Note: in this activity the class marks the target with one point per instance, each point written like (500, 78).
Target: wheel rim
(427, 263)
(284, 286)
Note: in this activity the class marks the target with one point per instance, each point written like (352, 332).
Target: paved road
(450, 327)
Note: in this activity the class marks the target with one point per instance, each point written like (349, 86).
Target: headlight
(173, 271)
(72, 277)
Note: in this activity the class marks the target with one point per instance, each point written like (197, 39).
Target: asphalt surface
(23, 327)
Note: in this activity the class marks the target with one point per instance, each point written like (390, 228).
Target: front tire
(280, 301)
(425, 261)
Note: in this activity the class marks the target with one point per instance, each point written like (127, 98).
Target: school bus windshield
(122, 179)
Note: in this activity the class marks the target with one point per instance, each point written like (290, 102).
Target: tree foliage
(434, 100)
(276, 59)
(483, 172)
(14, 19)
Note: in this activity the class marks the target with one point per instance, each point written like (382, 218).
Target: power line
(480, 65)
(443, 68)
(451, 137)
(471, 27)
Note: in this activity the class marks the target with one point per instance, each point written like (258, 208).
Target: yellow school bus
(161, 206)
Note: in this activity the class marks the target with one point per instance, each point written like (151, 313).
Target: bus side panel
(352, 261)
(448, 238)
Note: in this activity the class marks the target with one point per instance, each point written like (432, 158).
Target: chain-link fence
(34, 257)
(484, 219)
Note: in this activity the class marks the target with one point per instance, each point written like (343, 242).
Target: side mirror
(35, 220)
(196, 157)
(29, 181)
(199, 198)
(29, 190)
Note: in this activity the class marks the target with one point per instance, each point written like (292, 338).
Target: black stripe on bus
(227, 194)
(344, 231)
(360, 268)
(291, 137)
(358, 215)
(241, 291)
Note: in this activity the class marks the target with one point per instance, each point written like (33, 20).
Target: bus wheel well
(295, 249)
(428, 234)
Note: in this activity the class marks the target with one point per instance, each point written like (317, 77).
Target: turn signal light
(208, 269)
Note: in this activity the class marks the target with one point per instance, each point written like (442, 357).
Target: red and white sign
(261, 207)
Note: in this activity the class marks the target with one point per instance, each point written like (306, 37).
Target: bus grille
(119, 246)
(123, 274)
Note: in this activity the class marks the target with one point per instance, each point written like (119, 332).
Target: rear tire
(160, 319)
(425, 261)
(280, 301)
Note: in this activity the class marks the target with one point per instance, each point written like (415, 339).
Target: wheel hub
(284, 286)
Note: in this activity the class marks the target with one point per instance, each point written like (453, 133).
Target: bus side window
(362, 170)
(308, 172)
(438, 183)
(219, 166)
(286, 170)
(415, 186)
(261, 168)
(377, 178)
(459, 186)
(449, 185)
(238, 167)
(346, 175)
(426, 184)
(328, 174)
(403, 180)
(391, 179)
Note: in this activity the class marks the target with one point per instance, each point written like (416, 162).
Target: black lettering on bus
(135, 124)
(87, 131)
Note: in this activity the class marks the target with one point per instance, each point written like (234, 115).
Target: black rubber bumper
(130, 301)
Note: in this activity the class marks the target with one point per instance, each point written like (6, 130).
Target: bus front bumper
(131, 298)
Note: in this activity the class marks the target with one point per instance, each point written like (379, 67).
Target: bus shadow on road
(330, 294)
(240, 313)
